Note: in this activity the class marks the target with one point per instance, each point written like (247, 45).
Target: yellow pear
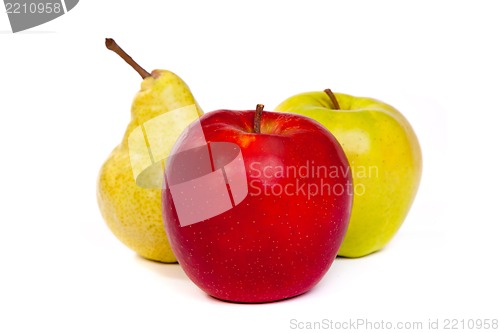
(130, 181)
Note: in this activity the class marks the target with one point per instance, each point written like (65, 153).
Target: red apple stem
(113, 46)
(330, 94)
(257, 118)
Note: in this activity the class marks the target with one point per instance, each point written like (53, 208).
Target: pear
(130, 180)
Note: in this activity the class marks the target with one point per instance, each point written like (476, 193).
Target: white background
(64, 105)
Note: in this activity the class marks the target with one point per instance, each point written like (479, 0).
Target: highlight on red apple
(256, 204)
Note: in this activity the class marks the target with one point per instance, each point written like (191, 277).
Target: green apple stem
(257, 118)
(330, 94)
(111, 45)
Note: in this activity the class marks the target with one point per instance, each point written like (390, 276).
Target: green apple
(384, 156)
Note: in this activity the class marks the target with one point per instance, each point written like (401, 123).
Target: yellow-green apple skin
(133, 213)
(385, 159)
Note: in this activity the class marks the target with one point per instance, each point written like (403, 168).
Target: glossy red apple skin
(268, 247)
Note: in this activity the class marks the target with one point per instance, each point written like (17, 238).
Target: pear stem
(111, 45)
(330, 94)
(257, 118)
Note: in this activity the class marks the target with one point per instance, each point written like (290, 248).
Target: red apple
(256, 204)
